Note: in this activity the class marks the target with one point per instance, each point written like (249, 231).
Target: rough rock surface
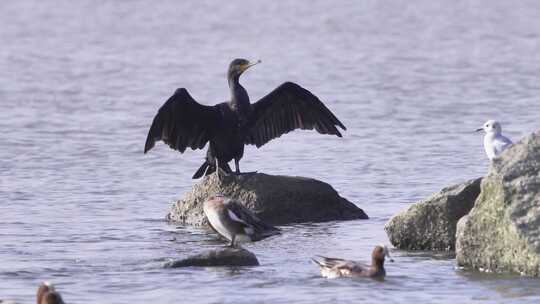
(431, 224)
(502, 231)
(277, 200)
(217, 257)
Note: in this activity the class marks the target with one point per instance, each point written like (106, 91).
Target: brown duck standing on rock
(335, 268)
(46, 294)
(182, 122)
(235, 222)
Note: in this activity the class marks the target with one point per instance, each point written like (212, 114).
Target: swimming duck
(46, 294)
(235, 222)
(335, 268)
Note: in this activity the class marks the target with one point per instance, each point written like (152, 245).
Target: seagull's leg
(232, 241)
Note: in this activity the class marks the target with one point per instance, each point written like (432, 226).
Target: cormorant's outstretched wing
(182, 122)
(286, 108)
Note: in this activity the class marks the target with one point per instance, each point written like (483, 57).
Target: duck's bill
(480, 129)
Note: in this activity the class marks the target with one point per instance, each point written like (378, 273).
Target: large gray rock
(431, 224)
(217, 257)
(502, 231)
(276, 200)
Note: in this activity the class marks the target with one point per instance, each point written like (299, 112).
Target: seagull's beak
(480, 129)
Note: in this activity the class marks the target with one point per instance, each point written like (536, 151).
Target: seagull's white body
(494, 142)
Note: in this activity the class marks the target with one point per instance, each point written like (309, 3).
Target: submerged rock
(277, 200)
(217, 257)
(431, 224)
(502, 231)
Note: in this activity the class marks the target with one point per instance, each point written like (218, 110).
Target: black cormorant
(182, 122)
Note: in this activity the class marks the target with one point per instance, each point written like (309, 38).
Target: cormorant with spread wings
(183, 123)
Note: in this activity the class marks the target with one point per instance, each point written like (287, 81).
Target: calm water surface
(80, 81)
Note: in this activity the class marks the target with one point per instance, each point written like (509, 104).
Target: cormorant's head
(238, 66)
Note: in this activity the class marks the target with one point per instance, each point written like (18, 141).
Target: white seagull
(494, 142)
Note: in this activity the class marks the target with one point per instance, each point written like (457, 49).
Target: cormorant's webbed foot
(220, 172)
(245, 173)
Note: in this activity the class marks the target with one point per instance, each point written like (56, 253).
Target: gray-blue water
(80, 81)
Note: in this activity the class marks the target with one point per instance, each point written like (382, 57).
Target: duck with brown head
(335, 268)
(46, 294)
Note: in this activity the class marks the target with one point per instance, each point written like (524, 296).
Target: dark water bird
(235, 222)
(184, 123)
(335, 268)
(46, 294)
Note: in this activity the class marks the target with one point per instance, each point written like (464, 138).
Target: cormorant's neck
(234, 80)
(239, 96)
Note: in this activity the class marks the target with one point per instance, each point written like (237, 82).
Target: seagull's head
(239, 66)
(491, 127)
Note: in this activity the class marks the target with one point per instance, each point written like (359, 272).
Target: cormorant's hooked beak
(247, 66)
(478, 130)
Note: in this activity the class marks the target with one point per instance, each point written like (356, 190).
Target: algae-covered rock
(277, 200)
(502, 231)
(217, 257)
(431, 224)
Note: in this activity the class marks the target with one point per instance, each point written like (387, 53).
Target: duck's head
(239, 66)
(380, 252)
(46, 294)
(491, 126)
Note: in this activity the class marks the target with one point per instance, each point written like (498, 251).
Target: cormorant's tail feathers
(203, 169)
